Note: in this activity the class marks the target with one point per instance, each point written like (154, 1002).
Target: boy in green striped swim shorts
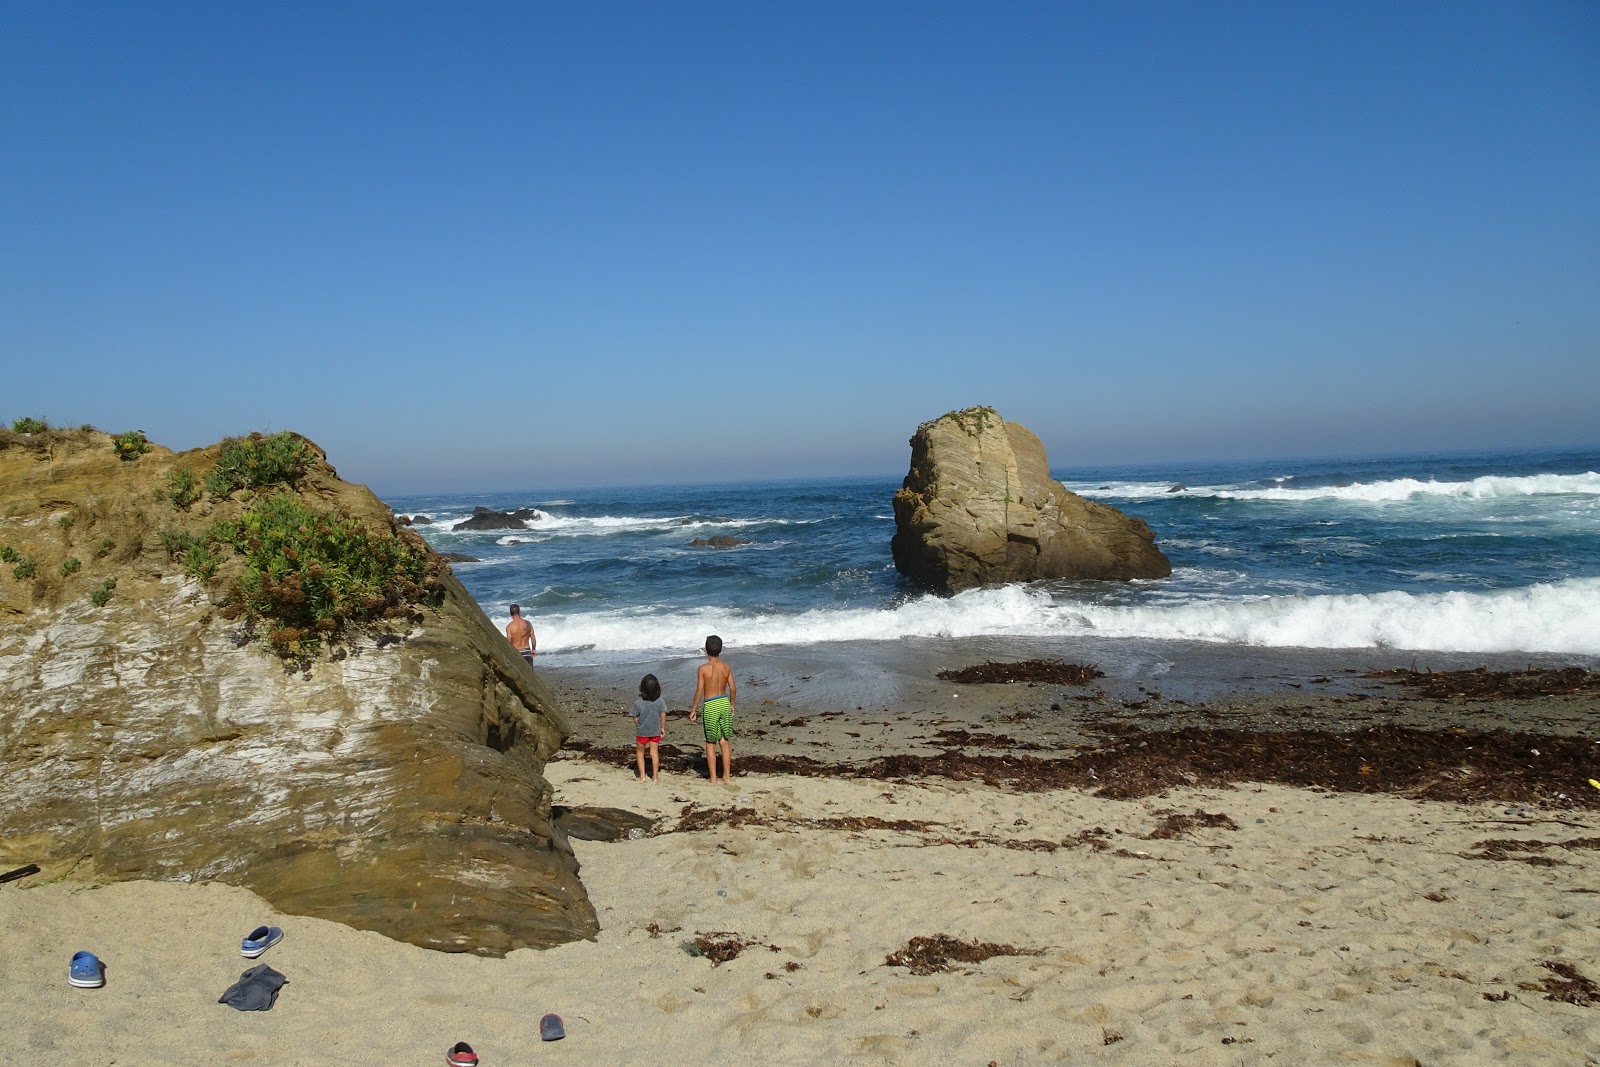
(714, 694)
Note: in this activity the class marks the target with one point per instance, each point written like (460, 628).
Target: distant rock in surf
(979, 507)
(487, 519)
(1179, 488)
(458, 557)
(719, 541)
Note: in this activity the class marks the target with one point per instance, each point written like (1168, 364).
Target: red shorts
(648, 740)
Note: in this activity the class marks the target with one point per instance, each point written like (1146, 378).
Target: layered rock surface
(978, 507)
(395, 785)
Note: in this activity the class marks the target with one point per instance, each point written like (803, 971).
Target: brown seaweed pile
(1176, 824)
(1568, 986)
(1456, 764)
(1049, 671)
(720, 946)
(1481, 683)
(930, 955)
(1505, 848)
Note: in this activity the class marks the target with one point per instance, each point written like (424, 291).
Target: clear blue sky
(530, 244)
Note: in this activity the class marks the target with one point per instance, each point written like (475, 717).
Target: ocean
(1494, 553)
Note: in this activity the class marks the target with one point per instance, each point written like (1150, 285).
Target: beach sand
(1242, 924)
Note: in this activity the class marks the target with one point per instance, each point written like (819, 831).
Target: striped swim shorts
(716, 715)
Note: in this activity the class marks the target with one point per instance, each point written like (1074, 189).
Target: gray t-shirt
(649, 713)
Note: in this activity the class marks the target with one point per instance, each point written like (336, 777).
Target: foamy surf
(1489, 487)
(1549, 617)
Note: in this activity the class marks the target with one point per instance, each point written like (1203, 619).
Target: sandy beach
(777, 920)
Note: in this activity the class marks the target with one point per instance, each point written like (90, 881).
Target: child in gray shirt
(649, 713)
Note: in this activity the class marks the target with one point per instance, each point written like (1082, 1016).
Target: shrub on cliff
(313, 574)
(131, 445)
(28, 424)
(183, 488)
(258, 461)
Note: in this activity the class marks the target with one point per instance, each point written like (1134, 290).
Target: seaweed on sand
(1459, 765)
(930, 955)
(1481, 683)
(1568, 986)
(1050, 671)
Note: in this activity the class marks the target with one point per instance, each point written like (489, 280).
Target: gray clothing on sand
(256, 989)
(649, 713)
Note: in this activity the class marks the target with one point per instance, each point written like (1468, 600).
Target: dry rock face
(395, 784)
(979, 508)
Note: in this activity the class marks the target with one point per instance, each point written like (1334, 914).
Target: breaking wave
(1561, 617)
(1489, 487)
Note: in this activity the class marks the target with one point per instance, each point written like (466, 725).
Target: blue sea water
(1468, 553)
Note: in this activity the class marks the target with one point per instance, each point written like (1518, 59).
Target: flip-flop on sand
(85, 971)
(259, 940)
(550, 1028)
(461, 1055)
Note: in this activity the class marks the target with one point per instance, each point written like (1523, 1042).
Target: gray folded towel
(256, 989)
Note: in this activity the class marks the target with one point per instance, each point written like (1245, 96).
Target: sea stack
(979, 507)
(382, 767)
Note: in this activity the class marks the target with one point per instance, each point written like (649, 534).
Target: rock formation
(979, 508)
(483, 518)
(392, 781)
(719, 541)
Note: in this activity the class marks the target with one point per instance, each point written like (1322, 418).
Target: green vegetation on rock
(103, 549)
(973, 421)
(23, 570)
(313, 574)
(70, 565)
(103, 594)
(30, 425)
(258, 461)
(131, 445)
(8, 554)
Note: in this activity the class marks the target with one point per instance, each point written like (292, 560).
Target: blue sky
(508, 245)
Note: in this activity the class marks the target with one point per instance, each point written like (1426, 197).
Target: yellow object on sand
(1594, 783)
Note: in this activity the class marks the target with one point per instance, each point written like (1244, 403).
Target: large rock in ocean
(393, 781)
(979, 507)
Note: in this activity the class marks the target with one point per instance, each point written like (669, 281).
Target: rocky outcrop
(486, 519)
(719, 541)
(979, 507)
(393, 784)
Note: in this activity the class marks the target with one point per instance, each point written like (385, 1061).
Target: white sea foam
(1489, 487)
(1557, 617)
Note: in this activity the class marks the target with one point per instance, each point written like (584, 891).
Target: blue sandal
(259, 940)
(86, 971)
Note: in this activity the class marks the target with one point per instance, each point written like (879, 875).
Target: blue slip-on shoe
(550, 1028)
(259, 940)
(85, 971)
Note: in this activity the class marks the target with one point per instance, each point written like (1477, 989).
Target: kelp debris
(930, 955)
(1505, 848)
(1568, 986)
(1466, 766)
(1176, 824)
(720, 946)
(965, 739)
(1050, 671)
(1480, 683)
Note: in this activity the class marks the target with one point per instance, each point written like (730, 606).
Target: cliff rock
(979, 507)
(391, 780)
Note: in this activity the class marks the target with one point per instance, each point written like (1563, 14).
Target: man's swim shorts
(716, 714)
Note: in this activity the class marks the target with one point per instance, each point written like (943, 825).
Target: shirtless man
(519, 632)
(714, 694)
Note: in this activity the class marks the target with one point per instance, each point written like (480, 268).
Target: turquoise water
(1486, 553)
